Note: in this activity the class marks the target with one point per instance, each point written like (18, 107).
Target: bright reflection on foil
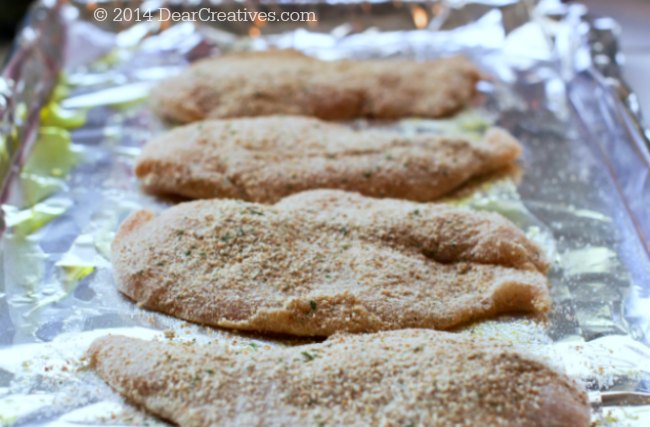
(420, 17)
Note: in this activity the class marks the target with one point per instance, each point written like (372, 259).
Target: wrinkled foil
(73, 116)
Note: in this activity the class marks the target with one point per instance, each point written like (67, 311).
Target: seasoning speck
(308, 356)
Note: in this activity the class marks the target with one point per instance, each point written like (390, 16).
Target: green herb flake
(308, 356)
(313, 305)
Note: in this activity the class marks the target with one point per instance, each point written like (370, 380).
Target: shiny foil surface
(74, 115)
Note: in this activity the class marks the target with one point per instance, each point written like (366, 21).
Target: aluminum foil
(73, 116)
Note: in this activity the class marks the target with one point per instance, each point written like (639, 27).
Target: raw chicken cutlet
(328, 261)
(411, 377)
(265, 159)
(289, 82)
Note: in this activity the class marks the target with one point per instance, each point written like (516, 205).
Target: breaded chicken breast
(289, 82)
(265, 159)
(377, 265)
(411, 377)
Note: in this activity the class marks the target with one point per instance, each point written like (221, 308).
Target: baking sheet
(75, 116)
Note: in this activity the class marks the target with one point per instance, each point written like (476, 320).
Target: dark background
(11, 13)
